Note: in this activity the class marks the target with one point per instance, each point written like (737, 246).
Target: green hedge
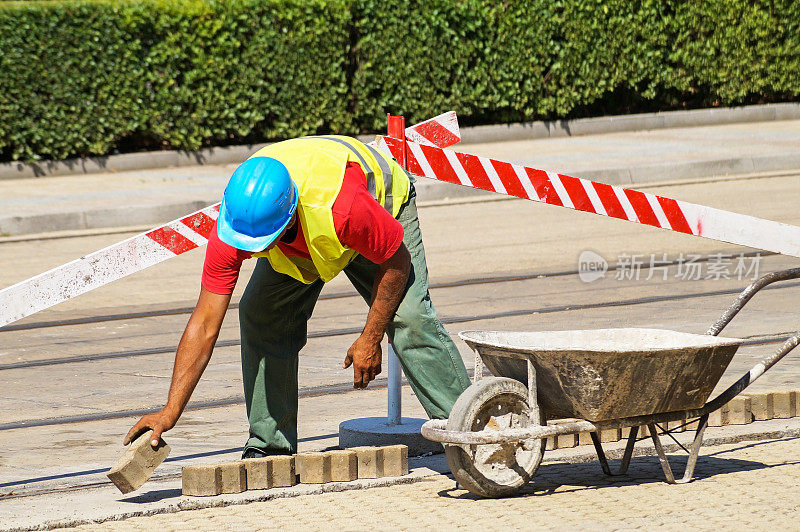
(550, 59)
(83, 77)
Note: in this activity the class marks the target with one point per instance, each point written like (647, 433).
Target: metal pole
(394, 415)
(396, 128)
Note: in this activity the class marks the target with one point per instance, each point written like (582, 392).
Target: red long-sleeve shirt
(359, 220)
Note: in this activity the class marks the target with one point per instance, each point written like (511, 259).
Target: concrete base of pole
(375, 431)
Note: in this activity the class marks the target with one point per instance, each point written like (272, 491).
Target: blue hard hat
(258, 204)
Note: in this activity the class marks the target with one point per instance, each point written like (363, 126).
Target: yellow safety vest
(317, 165)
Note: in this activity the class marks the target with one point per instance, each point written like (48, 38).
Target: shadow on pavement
(566, 477)
(154, 496)
(436, 462)
(88, 472)
(747, 445)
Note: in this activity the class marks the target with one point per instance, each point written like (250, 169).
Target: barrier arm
(589, 196)
(155, 246)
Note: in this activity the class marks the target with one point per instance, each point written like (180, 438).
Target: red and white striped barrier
(589, 196)
(148, 249)
(441, 131)
(107, 265)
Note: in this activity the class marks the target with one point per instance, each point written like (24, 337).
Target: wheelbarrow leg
(693, 454)
(626, 458)
(478, 373)
(662, 456)
(601, 455)
(533, 393)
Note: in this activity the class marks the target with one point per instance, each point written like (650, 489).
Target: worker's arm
(191, 359)
(387, 292)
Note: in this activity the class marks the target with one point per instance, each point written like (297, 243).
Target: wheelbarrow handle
(748, 378)
(759, 369)
(747, 294)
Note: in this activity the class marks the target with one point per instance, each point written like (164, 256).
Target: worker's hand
(365, 357)
(160, 422)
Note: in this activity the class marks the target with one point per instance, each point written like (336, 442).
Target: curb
(428, 190)
(98, 218)
(470, 135)
(127, 161)
(767, 430)
(636, 122)
(743, 409)
(421, 474)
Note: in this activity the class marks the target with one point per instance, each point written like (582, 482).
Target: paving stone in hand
(138, 463)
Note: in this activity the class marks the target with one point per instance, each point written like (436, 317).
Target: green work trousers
(273, 315)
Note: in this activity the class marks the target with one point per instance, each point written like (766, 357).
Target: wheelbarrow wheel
(493, 470)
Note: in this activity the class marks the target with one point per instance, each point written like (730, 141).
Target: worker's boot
(254, 452)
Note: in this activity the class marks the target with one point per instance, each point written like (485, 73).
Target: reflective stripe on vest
(317, 169)
(386, 170)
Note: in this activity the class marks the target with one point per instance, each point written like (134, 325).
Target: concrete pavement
(752, 486)
(62, 462)
(148, 197)
(50, 469)
(568, 490)
(515, 236)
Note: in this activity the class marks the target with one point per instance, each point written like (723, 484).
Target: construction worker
(309, 209)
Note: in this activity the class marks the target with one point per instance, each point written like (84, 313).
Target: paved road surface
(493, 239)
(149, 196)
(742, 486)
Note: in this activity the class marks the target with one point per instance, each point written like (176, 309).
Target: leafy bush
(737, 48)
(89, 77)
(551, 59)
(84, 77)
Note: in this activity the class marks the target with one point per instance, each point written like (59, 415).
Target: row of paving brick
(140, 460)
(741, 410)
(306, 468)
(742, 487)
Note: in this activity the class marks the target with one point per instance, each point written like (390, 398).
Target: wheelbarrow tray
(606, 374)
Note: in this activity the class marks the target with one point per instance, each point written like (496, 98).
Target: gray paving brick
(717, 417)
(313, 468)
(344, 465)
(233, 477)
(610, 435)
(201, 480)
(565, 441)
(395, 460)
(370, 462)
(675, 426)
(762, 406)
(270, 472)
(739, 411)
(784, 405)
(136, 466)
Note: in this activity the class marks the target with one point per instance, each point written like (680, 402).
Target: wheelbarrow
(546, 384)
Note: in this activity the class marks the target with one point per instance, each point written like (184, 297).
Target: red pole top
(395, 126)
